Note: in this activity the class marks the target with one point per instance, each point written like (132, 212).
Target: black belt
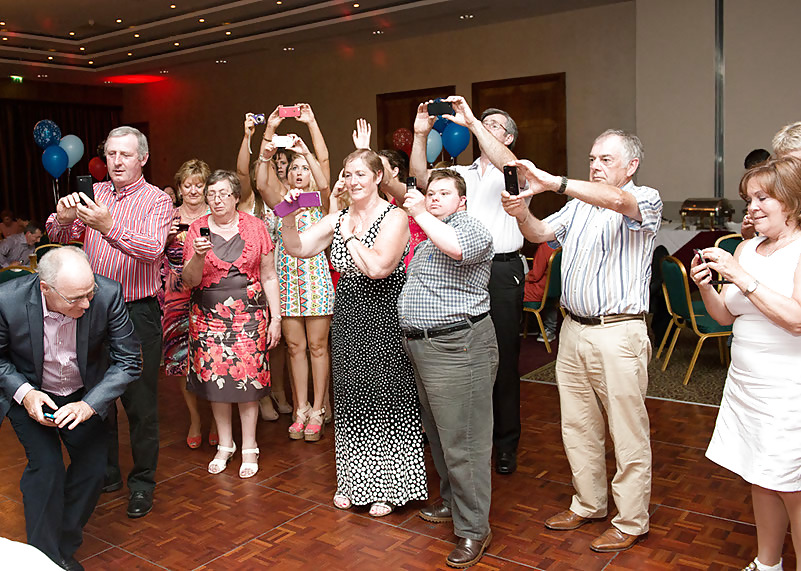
(148, 299)
(506, 257)
(604, 319)
(445, 329)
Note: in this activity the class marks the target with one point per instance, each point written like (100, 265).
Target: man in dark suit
(68, 350)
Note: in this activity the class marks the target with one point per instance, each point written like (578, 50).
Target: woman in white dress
(758, 431)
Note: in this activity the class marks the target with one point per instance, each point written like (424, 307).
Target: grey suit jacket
(109, 353)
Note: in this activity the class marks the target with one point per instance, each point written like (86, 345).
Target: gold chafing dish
(714, 212)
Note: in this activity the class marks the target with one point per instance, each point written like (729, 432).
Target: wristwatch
(563, 186)
(751, 288)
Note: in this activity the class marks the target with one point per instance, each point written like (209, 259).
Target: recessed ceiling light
(177, 44)
(221, 61)
(136, 35)
(107, 81)
(130, 53)
(2, 23)
(164, 72)
(378, 32)
(228, 33)
(278, 2)
(119, 20)
(49, 57)
(42, 75)
(201, 20)
(5, 39)
(91, 61)
(356, 5)
(466, 17)
(83, 49)
(72, 33)
(289, 49)
(172, 6)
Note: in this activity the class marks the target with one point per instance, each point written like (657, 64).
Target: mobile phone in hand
(205, 231)
(510, 178)
(282, 141)
(440, 108)
(712, 282)
(411, 183)
(46, 414)
(84, 185)
(182, 227)
(289, 111)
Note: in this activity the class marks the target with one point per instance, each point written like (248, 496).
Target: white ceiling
(42, 39)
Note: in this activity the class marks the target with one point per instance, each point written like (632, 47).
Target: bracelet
(262, 159)
(275, 318)
(348, 239)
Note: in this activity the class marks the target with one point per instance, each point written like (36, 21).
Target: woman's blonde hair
(780, 178)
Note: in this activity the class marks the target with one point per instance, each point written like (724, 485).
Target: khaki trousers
(606, 365)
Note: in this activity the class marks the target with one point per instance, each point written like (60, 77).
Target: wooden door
(538, 106)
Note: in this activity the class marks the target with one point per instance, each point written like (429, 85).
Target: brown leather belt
(605, 319)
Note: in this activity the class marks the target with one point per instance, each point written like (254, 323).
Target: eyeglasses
(87, 297)
(221, 194)
(493, 125)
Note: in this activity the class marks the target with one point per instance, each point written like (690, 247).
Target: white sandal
(381, 509)
(252, 466)
(342, 502)
(219, 464)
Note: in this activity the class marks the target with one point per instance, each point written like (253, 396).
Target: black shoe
(139, 504)
(70, 564)
(111, 484)
(506, 462)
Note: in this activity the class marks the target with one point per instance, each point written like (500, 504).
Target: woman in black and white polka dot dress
(379, 446)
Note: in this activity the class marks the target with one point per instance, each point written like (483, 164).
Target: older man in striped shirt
(124, 229)
(607, 236)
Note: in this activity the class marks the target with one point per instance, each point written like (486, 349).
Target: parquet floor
(283, 518)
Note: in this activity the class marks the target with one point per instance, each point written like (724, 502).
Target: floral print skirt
(227, 341)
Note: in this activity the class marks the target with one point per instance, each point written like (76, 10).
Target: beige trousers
(606, 365)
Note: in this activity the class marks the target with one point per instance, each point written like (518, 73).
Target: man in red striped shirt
(124, 229)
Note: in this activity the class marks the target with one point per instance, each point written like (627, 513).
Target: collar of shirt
(127, 190)
(54, 315)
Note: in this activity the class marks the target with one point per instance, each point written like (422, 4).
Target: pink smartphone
(305, 200)
(288, 111)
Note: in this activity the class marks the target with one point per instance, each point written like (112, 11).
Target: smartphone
(282, 141)
(289, 111)
(440, 108)
(47, 415)
(510, 177)
(183, 227)
(305, 200)
(85, 185)
(205, 231)
(712, 282)
(411, 183)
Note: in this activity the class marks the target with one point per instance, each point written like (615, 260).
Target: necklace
(191, 216)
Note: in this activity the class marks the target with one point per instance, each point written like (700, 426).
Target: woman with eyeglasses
(190, 179)
(307, 293)
(229, 264)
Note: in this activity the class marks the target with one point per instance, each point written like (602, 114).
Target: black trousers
(506, 308)
(58, 502)
(140, 401)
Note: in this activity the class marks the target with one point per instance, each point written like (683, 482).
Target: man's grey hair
(51, 263)
(125, 130)
(511, 126)
(788, 139)
(631, 143)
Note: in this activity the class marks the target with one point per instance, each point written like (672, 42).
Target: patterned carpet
(705, 385)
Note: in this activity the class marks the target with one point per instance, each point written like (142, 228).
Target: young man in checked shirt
(450, 339)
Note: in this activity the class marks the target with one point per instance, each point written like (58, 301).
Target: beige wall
(198, 111)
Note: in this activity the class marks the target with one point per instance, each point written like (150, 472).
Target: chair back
(43, 249)
(14, 271)
(729, 242)
(553, 276)
(677, 288)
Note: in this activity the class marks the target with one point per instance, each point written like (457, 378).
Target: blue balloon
(440, 124)
(433, 146)
(455, 138)
(46, 133)
(73, 146)
(55, 160)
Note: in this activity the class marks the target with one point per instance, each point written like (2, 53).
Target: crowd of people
(404, 295)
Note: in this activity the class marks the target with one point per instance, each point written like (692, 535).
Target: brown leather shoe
(468, 552)
(614, 540)
(567, 520)
(437, 513)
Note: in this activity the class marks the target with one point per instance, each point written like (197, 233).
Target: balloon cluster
(60, 153)
(446, 134)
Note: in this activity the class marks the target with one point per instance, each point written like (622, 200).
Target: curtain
(27, 188)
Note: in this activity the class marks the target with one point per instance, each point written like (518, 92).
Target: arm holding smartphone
(306, 115)
(192, 273)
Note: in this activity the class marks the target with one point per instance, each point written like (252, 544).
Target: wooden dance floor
(283, 518)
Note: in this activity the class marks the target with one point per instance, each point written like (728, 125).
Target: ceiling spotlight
(177, 44)
(466, 17)
(201, 20)
(289, 49)
(5, 39)
(72, 33)
(221, 61)
(83, 49)
(172, 6)
(136, 35)
(278, 2)
(228, 33)
(2, 23)
(355, 4)
(43, 75)
(164, 72)
(49, 57)
(130, 53)
(119, 20)
(107, 81)
(91, 61)
(378, 32)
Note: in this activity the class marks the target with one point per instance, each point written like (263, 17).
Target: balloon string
(55, 192)
(250, 149)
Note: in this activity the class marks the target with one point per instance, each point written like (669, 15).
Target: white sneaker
(551, 337)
